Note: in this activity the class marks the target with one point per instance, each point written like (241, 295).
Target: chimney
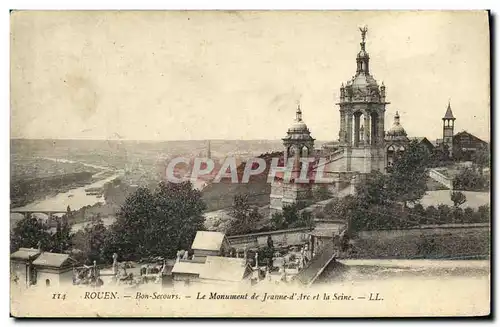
(39, 246)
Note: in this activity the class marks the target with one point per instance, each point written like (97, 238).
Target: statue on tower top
(363, 36)
(363, 30)
(298, 113)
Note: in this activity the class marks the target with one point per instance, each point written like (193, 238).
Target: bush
(470, 180)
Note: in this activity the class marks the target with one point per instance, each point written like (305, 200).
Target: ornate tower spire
(363, 59)
(363, 37)
(396, 118)
(298, 114)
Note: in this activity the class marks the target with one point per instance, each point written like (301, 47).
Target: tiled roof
(211, 241)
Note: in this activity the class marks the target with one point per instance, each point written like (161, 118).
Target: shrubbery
(361, 216)
(470, 180)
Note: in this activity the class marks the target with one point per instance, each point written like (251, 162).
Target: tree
(277, 221)
(481, 158)
(62, 239)
(469, 180)
(92, 241)
(407, 181)
(28, 232)
(157, 223)
(458, 198)
(444, 214)
(321, 193)
(244, 217)
(373, 190)
(484, 213)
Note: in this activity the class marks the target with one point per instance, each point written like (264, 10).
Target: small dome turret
(298, 130)
(397, 132)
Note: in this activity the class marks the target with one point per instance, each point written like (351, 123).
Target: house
(21, 266)
(210, 244)
(423, 141)
(53, 269)
(209, 264)
(466, 144)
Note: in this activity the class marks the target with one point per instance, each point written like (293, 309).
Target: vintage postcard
(250, 164)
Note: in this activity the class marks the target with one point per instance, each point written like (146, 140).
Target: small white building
(21, 266)
(53, 269)
(210, 244)
(208, 264)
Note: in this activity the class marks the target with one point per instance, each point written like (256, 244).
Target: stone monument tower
(362, 102)
(298, 143)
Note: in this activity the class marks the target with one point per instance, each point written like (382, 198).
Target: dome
(396, 131)
(363, 80)
(298, 126)
(298, 130)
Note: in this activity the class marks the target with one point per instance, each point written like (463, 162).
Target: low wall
(281, 238)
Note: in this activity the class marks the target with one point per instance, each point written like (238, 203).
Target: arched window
(47, 282)
(390, 155)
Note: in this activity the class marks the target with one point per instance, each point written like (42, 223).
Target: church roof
(449, 113)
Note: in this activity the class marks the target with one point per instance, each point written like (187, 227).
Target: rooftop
(449, 113)
(211, 241)
(224, 268)
(25, 254)
(55, 260)
(188, 267)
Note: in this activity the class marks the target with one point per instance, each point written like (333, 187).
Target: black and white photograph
(251, 164)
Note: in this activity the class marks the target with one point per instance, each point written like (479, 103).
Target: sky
(157, 75)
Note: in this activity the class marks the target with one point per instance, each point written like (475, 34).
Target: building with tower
(298, 143)
(460, 146)
(448, 128)
(362, 109)
(396, 141)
